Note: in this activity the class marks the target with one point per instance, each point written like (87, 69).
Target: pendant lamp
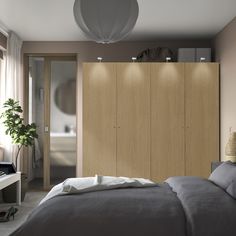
(106, 21)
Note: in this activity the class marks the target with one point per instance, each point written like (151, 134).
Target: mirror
(65, 97)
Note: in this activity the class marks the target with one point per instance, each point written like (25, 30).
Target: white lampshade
(106, 21)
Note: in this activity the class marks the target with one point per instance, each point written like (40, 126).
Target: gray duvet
(183, 206)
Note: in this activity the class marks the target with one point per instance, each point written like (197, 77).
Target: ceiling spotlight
(134, 59)
(99, 59)
(168, 59)
(202, 59)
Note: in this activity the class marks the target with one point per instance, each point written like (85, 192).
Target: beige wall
(225, 46)
(123, 51)
(89, 51)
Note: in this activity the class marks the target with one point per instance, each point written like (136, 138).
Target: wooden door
(202, 117)
(99, 119)
(46, 138)
(167, 120)
(133, 120)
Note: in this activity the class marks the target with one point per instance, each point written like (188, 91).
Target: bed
(181, 206)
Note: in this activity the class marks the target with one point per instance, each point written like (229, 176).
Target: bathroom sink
(62, 149)
(62, 134)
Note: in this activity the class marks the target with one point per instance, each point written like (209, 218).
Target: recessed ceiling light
(99, 59)
(202, 59)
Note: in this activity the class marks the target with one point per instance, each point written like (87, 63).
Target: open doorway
(52, 106)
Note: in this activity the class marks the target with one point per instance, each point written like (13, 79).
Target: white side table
(7, 180)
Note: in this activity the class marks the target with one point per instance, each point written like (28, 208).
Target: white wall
(226, 56)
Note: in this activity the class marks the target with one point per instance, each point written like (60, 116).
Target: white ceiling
(52, 20)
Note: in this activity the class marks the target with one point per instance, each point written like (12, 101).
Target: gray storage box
(203, 53)
(186, 54)
(194, 54)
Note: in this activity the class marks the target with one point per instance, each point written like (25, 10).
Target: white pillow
(97, 183)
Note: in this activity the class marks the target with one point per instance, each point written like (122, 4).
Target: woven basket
(230, 149)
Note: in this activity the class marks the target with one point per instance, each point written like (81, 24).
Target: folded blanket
(97, 183)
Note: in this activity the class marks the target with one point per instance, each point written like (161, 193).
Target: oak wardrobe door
(99, 119)
(167, 120)
(202, 117)
(133, 120)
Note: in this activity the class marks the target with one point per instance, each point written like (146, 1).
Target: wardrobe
(150, 120)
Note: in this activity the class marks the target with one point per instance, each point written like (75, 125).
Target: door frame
(47, 79)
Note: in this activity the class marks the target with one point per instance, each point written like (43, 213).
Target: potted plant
(22, 135)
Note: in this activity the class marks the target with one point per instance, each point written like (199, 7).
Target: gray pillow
(224, 175)
(231, 190)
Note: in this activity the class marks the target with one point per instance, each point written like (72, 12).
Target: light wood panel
(167, 120)
(99, 119)
(202, 117)
(151, 120)
(133, 120)
(46, 140)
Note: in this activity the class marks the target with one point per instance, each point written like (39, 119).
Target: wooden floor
(31, 200)
(37, 184)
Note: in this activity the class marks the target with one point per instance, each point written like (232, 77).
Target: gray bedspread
(120, 212)
(209, 210)
(186, 206)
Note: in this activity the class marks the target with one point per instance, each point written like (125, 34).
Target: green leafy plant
(22, 135)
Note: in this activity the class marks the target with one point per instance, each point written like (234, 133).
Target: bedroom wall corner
(225, 49)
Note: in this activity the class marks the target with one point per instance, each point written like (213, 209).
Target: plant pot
(9, 193)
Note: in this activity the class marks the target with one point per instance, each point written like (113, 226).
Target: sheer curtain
(11, 84)
(2, 98)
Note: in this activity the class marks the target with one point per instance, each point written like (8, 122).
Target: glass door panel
(36, 115)
(62, 153)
